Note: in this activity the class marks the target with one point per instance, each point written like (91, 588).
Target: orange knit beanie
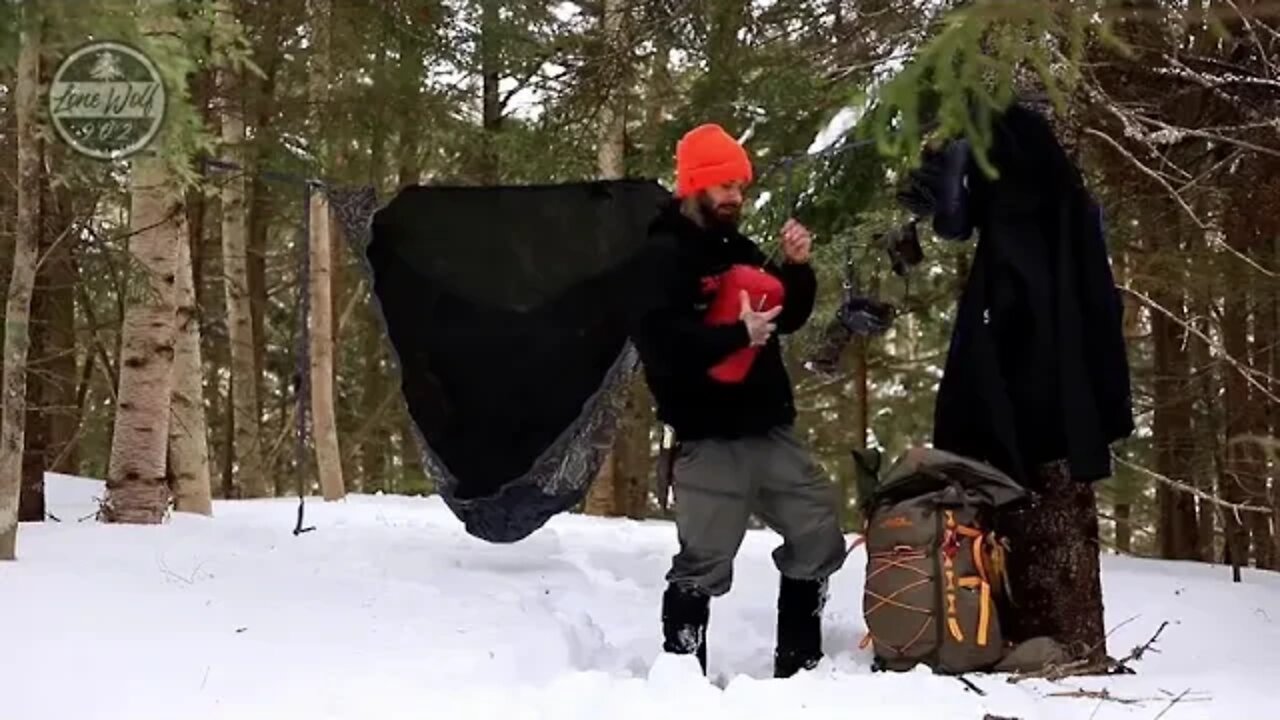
(707, 156)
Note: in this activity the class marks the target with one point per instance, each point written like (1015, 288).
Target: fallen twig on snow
(1136, 653)
(1173, 702)
(1103, 695)
(1054, 672)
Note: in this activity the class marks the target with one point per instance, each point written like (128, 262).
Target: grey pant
(719, 484)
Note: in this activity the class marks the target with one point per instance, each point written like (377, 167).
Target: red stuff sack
(765, 293)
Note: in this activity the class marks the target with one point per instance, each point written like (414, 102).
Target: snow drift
(390, 610)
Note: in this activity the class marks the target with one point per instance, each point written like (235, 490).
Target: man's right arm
(669, 333)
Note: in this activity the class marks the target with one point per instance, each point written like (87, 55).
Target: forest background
(188, 393)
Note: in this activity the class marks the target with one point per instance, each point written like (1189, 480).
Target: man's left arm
(799, 281)
(800, 285)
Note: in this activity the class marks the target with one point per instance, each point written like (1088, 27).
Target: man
(737, 453)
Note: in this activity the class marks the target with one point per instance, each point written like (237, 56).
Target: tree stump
(1054, 568)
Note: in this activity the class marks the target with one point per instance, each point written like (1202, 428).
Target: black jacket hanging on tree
(1037, 369)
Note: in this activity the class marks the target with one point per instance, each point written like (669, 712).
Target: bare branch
(1215, 348)
(1154, 175)
(1235, 507)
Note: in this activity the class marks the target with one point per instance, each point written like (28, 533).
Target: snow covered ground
(388, 610)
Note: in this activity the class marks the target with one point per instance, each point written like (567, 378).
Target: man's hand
(760, 325)
(796, 242)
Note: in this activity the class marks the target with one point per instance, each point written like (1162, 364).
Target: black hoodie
(677, 347)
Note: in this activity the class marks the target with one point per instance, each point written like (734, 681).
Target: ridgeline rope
(354, 206)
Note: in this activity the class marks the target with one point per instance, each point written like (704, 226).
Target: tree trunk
(611, 494)
(36, 435)
(8, 195)
(61, 393)
(602, 496)
(1124, 530)
(320, 333)
(250, 473)
(718, 90)
(635, 459)
(410, 66)
(413, 475)
(373, 440)
(1238, 467)
(1265, 227)
(18, 302)
(1054, 567)
(1208, 430)
(490, 168)
(1171, 426)
(1124, 487)
(137, 491)
(1273, 409)
(52, 418)
(658, 94)
(188, 440)
(612, 128)
(261, 206)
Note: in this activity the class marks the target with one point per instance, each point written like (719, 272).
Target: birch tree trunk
(137, 490)
(320, 334)
(244, 385)
(320, 280)
(612, 129)
(188, 438)
(18, 304)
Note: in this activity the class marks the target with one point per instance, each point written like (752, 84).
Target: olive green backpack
(934, 565)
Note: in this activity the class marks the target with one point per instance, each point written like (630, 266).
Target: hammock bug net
(506, 308)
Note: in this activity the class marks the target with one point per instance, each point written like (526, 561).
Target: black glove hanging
(920, 188)
(857, 316)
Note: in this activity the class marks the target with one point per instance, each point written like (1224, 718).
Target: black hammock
(505, 310)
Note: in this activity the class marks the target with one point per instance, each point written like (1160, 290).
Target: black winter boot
(799, 643)
(684, 623)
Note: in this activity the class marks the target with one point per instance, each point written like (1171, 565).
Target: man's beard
(723, 217)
